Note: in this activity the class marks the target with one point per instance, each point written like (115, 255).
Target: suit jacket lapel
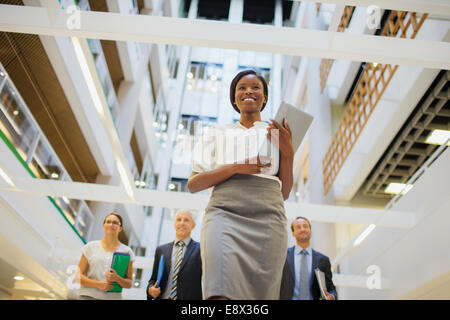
(168, 258)
(290, 260)
(189, 250)
(315, 263)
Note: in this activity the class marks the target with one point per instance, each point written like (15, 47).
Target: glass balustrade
(20, 131)
(15, 122)
(104, 77)
(161, 120)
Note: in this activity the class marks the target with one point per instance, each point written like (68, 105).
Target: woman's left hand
(112, 276)
(281, 137)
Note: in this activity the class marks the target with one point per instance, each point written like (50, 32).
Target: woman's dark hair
(235, 82)
(114, 214)
(303, 218)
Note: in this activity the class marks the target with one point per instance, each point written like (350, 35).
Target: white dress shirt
(233, 144)
(166, 293)
(99, 262)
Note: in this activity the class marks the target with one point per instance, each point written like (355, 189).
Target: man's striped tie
(173, 293)
(304, 281)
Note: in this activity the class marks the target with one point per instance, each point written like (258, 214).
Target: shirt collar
(256, 124)
(299, 249)
(186, 241)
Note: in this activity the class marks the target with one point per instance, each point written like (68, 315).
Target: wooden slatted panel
(373, 83)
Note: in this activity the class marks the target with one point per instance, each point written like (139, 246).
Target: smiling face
(249, 94)
(301, 231)
(184, 224)
(112, 225)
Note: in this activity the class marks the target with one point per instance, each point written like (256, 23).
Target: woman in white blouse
(244, 236)
(95, 272)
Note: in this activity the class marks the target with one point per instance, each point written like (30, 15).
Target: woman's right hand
(105, 286)
(252, 165)
(154, 291)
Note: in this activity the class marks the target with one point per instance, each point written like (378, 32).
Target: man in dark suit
(182, 274)
(298, 282)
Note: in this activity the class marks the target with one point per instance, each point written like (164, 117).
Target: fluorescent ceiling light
(397, 188)
(87, 75)
(19, 278)
(439, 137)
(6, 178)
(364, 235)
(125, 180)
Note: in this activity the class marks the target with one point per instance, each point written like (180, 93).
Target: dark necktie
(173, 293)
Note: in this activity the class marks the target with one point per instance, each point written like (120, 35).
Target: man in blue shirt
(299, 280)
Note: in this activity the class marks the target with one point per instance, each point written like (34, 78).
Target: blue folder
(160, 270)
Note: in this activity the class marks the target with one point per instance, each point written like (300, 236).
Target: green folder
(120, 264)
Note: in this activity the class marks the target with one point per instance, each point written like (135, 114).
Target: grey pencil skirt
(244, 239)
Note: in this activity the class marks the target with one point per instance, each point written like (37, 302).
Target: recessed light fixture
(396, 188)
(19, 278)
(54, 175)
(438, 137)
(190, 75)
(171, 186)
(139, 183)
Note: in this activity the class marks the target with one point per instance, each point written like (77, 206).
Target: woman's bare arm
(286, 176)
(90, 283)
(283, 140)
(204, 180)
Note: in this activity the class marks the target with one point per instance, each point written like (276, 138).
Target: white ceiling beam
(176, 200)
(441, 7)
(218, 34)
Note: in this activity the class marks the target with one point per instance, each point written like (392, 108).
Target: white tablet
(298, 120)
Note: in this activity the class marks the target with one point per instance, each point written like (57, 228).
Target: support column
(230, 66)
(275, 78)
(154, 224)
